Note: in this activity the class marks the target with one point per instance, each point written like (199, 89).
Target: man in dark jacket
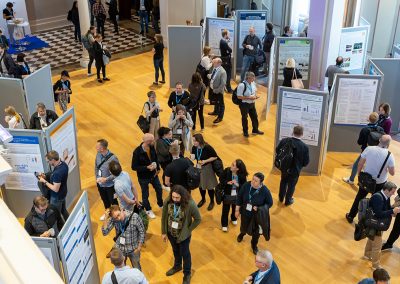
(178, 97)
(226, 53)
(42, 117)
(143, 7)
(7, 64)
(267, 44)
(301, 159)
(380, 205)
(250, 45)
(113, 12)
(145, 163)
(44, 220)
(363, 142)
(268, 271)
(175, 171)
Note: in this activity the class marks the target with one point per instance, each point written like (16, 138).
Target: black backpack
(235, 98)
(284, 158)
(193, 177)
(69, 16)
(375, 133)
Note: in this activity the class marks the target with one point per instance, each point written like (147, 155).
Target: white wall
(20, 12)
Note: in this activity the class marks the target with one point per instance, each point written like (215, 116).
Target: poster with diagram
(215, 27)
(301, 109)
(248, 19)
(299, 50)
(353, 47)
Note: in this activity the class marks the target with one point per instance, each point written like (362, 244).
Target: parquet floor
(311, 241)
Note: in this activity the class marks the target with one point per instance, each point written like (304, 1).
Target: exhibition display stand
(354, 98)
(389, 68)
(308, 108)
(184, 53)
(49, 248)
(396, 51)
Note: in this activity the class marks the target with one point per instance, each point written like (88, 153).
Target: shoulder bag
(106, 158)
(296, 83)
(142, 121)
(378, 224)
(367, 182)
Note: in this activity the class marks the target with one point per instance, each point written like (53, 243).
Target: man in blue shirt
(58, 182)
(268, 271)
(380, 276)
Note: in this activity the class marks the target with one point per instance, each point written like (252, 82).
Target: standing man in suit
(217, 86)
(301, 159)
(226, 53)
(268, 271)
(113, 12)
(7, 64)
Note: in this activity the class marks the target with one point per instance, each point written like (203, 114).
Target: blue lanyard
(197, 152)
(235, 178)
(167, 141)
(176, 98)
(121, 226)
(260, 275)
(250, 195)
(176, 212)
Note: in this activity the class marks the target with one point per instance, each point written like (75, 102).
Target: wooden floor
(311, 241)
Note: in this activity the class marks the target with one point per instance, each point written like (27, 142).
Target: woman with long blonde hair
(13, 118)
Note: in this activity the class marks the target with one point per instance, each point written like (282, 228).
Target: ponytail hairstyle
(10, 110)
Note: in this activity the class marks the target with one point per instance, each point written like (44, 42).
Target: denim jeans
(135, 260)
(181, 252)
(60, 205)
(159, 66)
(247, 61)
(144, 185)
(354, 169)
(144, 20)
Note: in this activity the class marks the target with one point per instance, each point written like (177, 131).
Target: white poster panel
(353, 45)
(215, 28)
(63, 141)
(77, 248)
(25, 158)
(300, 50)
(355, 100)
(252, 19)
(301, 109)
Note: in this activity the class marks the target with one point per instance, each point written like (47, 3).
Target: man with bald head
(250, 44)
(334, 69)
(145, 163)
(217, 86)
(378, 162)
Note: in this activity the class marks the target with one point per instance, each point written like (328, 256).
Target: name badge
(174, 225)
(179, 131)
(122, 240)
(198, 166)
(99, 173)
(249, 207)
(233, 193)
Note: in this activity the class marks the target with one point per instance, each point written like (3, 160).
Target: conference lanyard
(251, 195)
(121, 226)
(198, 156)
(167, 141)
(250, 88)
(176, 211)
(176, 98)
(260, 275)
(234, 178)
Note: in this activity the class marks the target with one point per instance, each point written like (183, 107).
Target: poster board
(309, 109)
(214, 28)
(48, 246)
(353, 48)
(271, 75)
(77, 248)
(39, 88)
(300, 49)
(396, 51)
(28, 144)
(12, 94)
(244, 20)
(343, 137)
(61, 137)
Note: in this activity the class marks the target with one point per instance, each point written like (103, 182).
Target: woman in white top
(152, 110)
(206, 63)
(13, 119)
(181, 123)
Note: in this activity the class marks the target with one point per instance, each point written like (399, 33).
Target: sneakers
(347, 180)
(166, 188)
(234, 223)
(103, 217)
(106, 79)
(224, 229)
(89, 74)
(173, 270)
(151, 214)
(386, 246)
(155, 83)
(290, 202)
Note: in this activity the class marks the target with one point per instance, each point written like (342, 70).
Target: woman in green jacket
(180, 216)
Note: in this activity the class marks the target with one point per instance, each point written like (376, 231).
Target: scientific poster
(25, 158)
(215, 28)
(63, 141)
(300, 50)
(352, 48)
(252, 19)
(77, 248)
(301, 109)
(355, 100)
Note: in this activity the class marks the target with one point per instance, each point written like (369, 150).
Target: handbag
(142, 122)
(219, 193)
(296, 83)
(218, 167)
(367, 182)
(106, 59)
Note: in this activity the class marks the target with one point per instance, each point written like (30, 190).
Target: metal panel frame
(52, 244)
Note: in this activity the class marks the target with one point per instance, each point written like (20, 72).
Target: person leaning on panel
(42, 117)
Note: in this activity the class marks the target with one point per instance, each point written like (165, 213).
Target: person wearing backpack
(267, 44)
(369, 136)
(175, 171)
(290, 174)
(246, 92)
(380, 206)
(88, 41)
(378, 162)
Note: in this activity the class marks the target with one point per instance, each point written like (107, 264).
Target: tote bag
(296, 83)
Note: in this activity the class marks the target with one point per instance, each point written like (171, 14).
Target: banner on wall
(353, 47)
(252, 19)
(300, 50)
(215, 26)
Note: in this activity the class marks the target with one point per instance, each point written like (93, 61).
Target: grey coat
(219, 81)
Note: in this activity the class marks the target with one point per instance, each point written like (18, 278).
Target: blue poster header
(253, 16)
(25, 140)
